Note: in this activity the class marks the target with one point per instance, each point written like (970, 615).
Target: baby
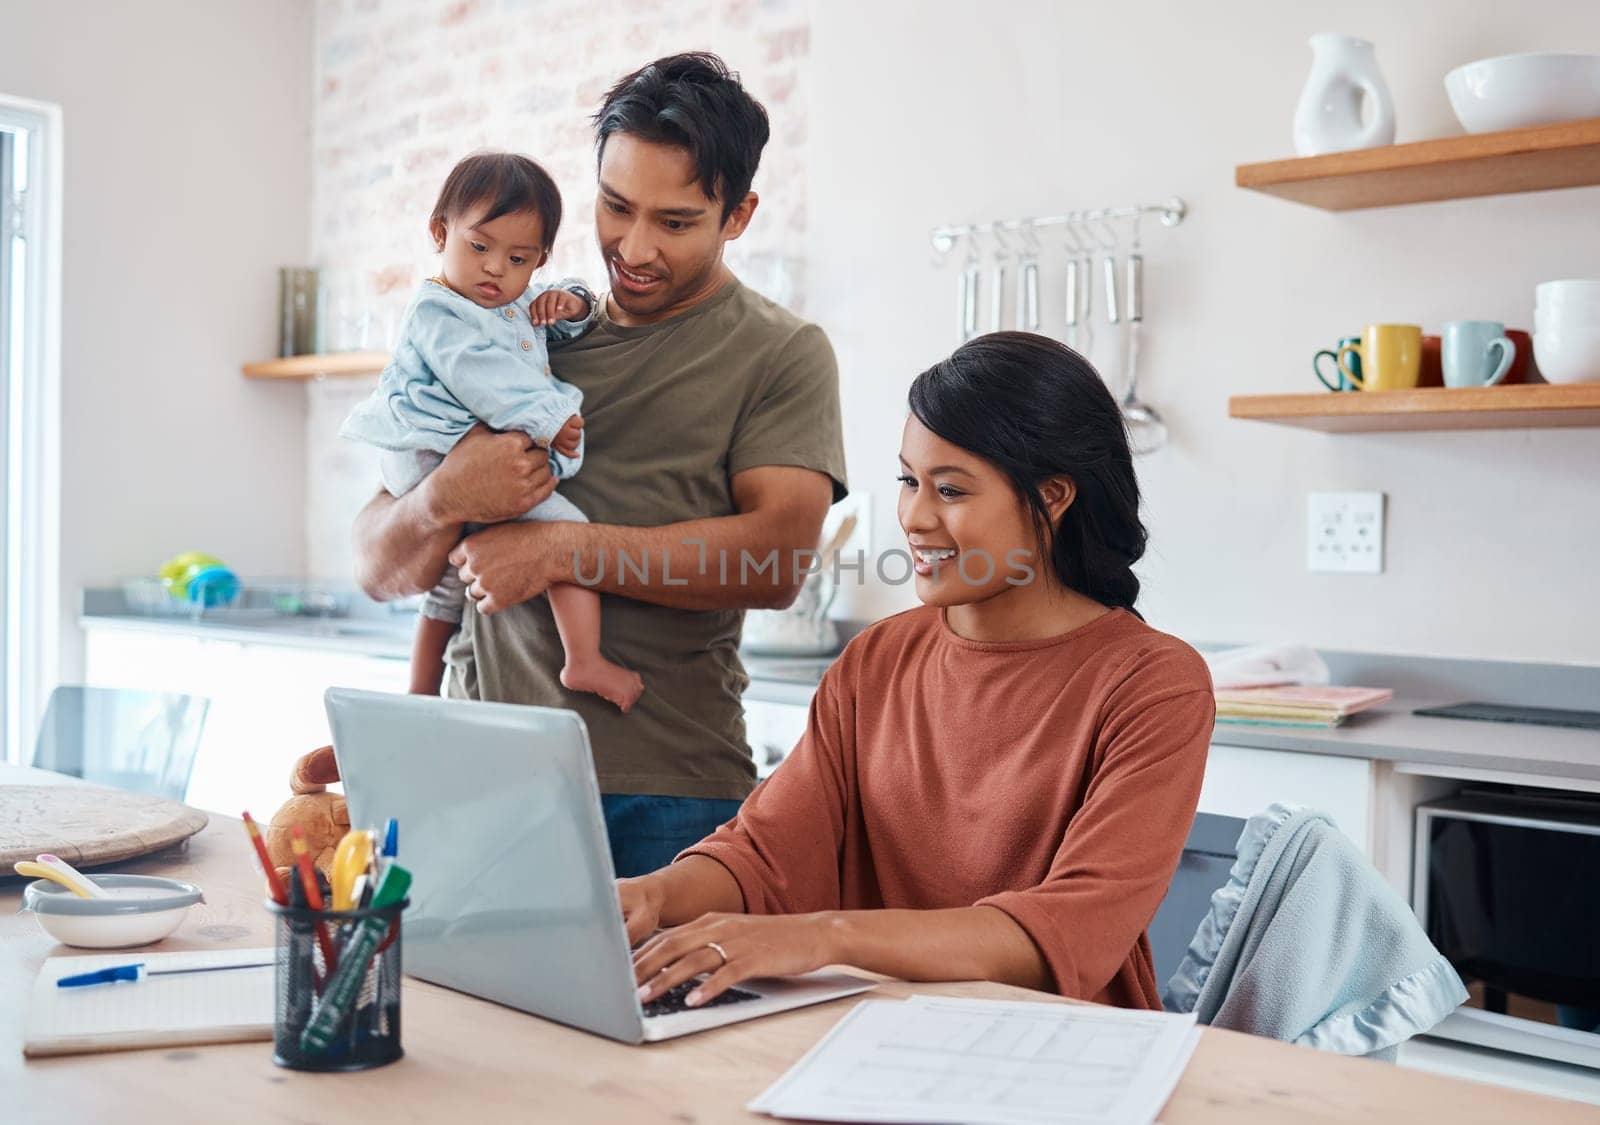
(472, 349)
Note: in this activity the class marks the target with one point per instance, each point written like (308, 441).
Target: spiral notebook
(157, 1011)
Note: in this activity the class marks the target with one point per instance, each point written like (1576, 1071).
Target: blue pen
(391, 839)
(137, 971)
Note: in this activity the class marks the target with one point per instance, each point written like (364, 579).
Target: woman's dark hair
(693, 102)
(507, 183)
(1036, 409)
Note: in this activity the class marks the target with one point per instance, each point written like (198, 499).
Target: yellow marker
(353, 857)
(39, 871)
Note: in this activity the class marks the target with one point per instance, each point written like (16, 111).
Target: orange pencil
(308, 878)
(275, 887)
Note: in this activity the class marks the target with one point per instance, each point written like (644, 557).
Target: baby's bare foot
(601, 677)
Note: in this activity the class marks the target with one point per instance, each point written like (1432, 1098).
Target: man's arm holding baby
(402, 543)
(756, 558)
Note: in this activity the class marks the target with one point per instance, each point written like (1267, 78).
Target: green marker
(345, 984)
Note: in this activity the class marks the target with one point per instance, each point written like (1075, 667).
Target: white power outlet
(1344, 532)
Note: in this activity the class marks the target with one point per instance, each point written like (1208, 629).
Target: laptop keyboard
(674, 1000)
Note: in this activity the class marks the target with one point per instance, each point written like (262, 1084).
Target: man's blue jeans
(646, 832)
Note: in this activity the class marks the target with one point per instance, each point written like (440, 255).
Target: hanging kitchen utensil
(971, 275)
(1105, 237)
(1085, 271)
(1072, 303)
(1146, 430)
(997, 280)
(1074, 297)
(1028, 282)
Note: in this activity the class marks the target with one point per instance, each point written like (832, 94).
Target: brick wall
(405, 88)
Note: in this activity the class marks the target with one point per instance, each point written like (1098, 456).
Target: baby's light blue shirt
(457, 364)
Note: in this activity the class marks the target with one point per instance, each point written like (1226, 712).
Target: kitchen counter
(369, 629)
(382, 630)
(1389, 733)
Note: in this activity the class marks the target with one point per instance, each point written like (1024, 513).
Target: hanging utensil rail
(1171, 213)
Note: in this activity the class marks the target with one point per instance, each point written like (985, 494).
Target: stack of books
(1296, 706)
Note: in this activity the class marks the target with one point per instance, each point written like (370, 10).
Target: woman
(996, 785)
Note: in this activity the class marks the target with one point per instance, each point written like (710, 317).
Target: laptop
(513, 898)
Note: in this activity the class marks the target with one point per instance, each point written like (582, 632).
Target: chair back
(1307, 943)
(1208, 856)
(142, 741)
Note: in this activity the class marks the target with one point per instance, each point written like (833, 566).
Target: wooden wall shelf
(1532, 406)
(1534, 159)
(303, 367)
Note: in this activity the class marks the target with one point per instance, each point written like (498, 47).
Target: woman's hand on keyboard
(750, 946)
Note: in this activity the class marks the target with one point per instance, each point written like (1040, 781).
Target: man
(711, 417)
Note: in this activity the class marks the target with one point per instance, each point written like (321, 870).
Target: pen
(308, 877)
(274, 884)
(137, 971)
(343, 985)
(391, 848)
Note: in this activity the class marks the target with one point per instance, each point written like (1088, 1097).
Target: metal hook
(1074, 244)
(1002, 245)
(1096, 223)
(1030, 238)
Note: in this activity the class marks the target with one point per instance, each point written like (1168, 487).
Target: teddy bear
(322, 816)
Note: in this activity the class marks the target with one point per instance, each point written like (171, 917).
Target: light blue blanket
(1308, 944)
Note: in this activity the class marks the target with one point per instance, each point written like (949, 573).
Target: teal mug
(1341, 381)
(1475, 353)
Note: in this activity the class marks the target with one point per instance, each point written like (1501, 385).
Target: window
(30, 399)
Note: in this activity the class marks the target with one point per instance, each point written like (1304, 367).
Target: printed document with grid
(982, 1062)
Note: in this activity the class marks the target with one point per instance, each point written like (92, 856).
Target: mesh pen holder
(354, 1023)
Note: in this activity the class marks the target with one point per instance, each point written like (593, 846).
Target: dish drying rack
(261, 601)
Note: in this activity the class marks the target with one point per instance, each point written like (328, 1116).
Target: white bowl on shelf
(1568, 355)
(1574, 318)
(1572, 291)
(1515, 91)
(1567, 308)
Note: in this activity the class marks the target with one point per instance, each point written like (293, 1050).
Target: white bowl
(1568, 319)
(1514, 91)
(145, 908)
(1582, 290)
(1573, 307)
(1568, 355)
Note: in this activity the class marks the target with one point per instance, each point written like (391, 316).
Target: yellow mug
(1391, 357)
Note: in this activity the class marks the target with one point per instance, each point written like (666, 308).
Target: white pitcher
(1344, 70)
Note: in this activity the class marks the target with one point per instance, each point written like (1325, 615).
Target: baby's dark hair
(506, 183)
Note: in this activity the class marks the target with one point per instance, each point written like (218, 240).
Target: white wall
(931, 113)
(187, 183)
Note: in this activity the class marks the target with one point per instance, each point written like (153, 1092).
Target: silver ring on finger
(720, 952)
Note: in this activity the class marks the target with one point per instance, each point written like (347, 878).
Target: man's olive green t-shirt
(671, 412)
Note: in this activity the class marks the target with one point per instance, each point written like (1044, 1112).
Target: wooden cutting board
(87, 825)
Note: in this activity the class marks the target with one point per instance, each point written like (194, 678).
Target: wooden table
(468, 1061)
